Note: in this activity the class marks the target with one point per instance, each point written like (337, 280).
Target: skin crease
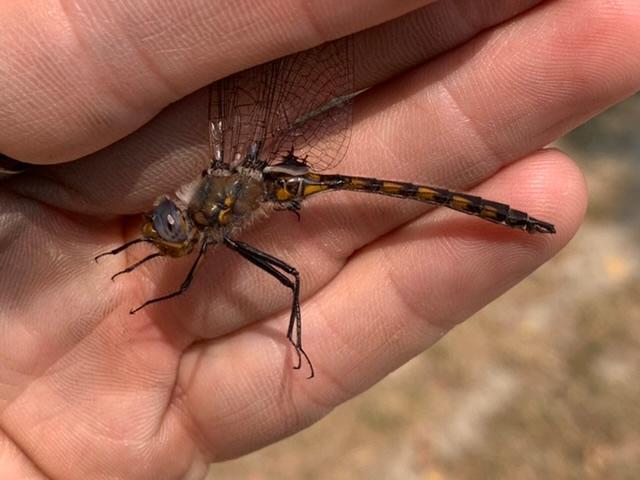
(463, 95)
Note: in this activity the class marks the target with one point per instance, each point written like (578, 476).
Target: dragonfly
(273, 131)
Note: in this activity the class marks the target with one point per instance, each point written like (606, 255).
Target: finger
(392, 300)
(78, 76)
(335, 226)
(171, 150)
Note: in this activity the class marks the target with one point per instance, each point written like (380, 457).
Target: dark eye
(168, 222)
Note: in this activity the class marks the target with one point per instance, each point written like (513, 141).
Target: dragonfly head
(170, 229)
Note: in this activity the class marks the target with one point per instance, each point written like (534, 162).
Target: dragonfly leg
(131, 268)
(274, 267)
(119, 249)
(185, 284)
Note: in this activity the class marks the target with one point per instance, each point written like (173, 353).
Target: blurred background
(542, 383)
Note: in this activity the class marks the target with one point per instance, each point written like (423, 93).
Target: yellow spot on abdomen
(391, 187)
(425, 193)
(489, 212)
(357, 183)
(460, 202)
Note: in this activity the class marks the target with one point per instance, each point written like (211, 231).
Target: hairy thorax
(224, 203)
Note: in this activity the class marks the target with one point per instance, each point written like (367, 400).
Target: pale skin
(89, 391)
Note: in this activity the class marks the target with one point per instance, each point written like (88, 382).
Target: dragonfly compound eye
(168, 221)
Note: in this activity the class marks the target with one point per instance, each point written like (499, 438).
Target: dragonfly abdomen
(462, 202)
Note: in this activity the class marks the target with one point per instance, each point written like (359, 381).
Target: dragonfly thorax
(223, 202)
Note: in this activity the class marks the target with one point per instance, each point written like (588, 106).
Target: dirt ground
(542, 383)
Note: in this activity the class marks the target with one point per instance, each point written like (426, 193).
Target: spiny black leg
(137, 264)
(115, 251)
(269, 264)
(185, 283)
(257, 258)
(295, 208)
(265, 262)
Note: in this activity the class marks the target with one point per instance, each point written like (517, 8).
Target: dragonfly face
(170, 229)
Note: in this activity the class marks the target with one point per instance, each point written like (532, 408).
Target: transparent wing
(302, 101)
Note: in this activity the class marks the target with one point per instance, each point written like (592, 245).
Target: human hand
(91, 391)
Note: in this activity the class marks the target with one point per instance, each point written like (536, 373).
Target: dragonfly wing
(300, 102)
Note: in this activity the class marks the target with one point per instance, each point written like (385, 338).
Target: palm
(91, 390)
